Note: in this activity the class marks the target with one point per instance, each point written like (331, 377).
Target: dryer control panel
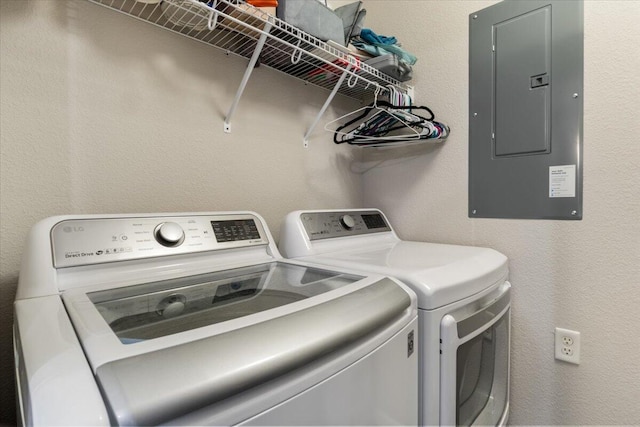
(326, 225)
(77, 242)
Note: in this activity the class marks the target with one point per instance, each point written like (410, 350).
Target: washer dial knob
(347, 222)
(169, 234)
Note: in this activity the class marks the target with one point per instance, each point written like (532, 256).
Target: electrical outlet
(568, 345)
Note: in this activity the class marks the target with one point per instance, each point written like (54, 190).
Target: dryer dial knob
(347, 222)
(169, 234)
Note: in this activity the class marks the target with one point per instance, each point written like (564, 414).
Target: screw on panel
(575, 95)
(474, 211)
(574, 213)
(475, 16)
(475, 114)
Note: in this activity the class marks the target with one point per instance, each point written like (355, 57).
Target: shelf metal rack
(238, 28)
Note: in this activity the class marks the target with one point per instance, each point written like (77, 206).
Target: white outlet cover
(567, 352)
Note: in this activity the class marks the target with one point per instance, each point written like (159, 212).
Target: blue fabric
(369, 48)
(370, 37)
(378, 45)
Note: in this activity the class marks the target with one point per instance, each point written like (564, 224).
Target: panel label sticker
(562, 181)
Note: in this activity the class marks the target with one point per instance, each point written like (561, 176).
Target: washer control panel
(94, 241)
(326, 225)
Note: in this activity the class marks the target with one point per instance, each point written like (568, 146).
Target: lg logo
(69, 229)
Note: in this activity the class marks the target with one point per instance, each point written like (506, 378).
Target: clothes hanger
(428, 127)
(384, 116)
(365, 108)
(432, 131)
(387, 123)
(422, 128)
(383, 123)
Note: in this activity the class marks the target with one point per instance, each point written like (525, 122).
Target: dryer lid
(440, 274)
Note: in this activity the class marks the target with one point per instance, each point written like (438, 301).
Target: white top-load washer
(195, 319)
(463, 306)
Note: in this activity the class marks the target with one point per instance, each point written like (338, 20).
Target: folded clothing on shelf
(378, 45)
(389, 57)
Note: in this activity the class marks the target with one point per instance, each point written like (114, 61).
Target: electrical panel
(525, 110)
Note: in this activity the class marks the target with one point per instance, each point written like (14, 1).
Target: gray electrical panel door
(525, 110)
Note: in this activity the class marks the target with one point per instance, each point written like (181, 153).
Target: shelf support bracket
(247, 74)
(326, 105)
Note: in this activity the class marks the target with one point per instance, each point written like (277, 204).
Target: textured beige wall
(582, 275)
(101, 113)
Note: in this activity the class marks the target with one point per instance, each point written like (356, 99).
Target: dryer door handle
(487, 314)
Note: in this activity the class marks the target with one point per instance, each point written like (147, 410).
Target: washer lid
(439, 274)
(162, 349)
(155, 387)
(167, 307)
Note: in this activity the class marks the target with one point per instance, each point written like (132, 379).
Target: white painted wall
(101, 113)
(582, 275)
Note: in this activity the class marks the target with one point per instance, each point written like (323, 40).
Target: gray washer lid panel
(156, 387)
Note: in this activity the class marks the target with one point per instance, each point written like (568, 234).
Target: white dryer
(195, 319)
(463, 306)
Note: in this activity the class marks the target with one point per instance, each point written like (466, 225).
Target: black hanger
(379, 126)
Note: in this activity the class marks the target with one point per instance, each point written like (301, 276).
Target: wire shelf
(236, 27)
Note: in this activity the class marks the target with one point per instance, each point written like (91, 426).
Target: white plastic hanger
(398, 116)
